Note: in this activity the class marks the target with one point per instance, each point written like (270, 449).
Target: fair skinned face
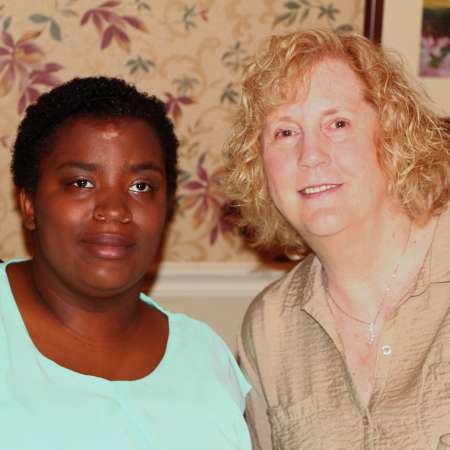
(100, 206)
(320, 155)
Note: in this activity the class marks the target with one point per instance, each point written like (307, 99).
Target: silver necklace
(371, 324)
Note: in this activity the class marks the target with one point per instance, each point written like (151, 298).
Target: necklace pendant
(371, 337)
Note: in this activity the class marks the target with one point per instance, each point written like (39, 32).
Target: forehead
(330, 84)
(98, 139)
(107, 127)
(330, 77)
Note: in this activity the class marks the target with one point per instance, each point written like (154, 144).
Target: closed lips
(109, 240)
(109, 246)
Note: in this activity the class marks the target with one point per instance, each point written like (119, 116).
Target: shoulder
(440, 249)
(4, 280)
(272, 311)
(195, 344)
(444, 218)
(204, 344)
(191, 331)
(210, 356)
(287, 290)
(3, 265)
(199, 333)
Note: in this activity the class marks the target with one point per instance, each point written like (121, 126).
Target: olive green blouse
(303, 397)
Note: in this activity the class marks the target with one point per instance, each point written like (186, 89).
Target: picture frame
(397, 25)
(373, 19)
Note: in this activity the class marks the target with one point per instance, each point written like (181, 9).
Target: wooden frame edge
(373, 20)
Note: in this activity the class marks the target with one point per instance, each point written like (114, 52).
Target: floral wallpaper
(188, 53)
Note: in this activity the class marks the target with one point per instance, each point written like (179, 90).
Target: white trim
(211, 280)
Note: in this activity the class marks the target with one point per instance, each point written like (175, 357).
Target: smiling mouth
(310, 190)
(108, 246)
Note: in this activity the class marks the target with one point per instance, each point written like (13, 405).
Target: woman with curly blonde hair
(336, 158)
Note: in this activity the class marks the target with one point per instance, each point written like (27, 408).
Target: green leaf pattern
(190, 53)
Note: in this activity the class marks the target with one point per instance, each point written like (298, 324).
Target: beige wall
(190, 54)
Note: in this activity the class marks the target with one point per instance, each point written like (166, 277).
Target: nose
(111, 206)
(314, 150)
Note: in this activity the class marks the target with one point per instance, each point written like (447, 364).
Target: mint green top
(194, 399)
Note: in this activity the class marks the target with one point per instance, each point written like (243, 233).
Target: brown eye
(140, 186)
(340, 124)
(284, 133)
(82, 183)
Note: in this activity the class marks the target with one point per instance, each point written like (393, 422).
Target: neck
(359, 262)
(96, 319)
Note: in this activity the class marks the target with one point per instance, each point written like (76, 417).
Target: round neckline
(67, 372)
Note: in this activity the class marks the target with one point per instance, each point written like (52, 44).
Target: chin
(110, 282)
(322, 224)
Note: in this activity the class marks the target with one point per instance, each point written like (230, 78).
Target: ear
(27, 209)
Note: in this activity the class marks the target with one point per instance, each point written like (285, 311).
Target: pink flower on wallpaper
(39, 77)
(205, 196)
(174, 104)
(21, 62)
(17, 58)
(4, 142)
(222, 226)
(112, 26)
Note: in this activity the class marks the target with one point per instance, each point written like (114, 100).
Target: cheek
(362, 166)
(279, 171)
(281, 178)
(358, 158)
(151, 219)
(59, 216)
(372, 166)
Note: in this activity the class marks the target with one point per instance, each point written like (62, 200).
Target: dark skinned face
(100, 206)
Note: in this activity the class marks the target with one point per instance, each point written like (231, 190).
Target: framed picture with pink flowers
(419, 30)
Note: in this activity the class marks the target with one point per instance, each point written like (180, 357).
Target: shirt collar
(307, 283)
(307, 290)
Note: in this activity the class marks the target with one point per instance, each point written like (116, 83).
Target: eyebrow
(91, 167)
(88, 167)
(142, 167)
(327, 112)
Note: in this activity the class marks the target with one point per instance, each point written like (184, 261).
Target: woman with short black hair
(86, 359)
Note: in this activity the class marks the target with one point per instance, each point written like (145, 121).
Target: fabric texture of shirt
(194, 399)
(303, 397)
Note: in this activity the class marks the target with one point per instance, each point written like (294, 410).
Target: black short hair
(100, 97)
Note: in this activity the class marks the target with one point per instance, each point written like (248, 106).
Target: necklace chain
(371, 323)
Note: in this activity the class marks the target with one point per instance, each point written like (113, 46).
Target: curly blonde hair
(414, 144)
